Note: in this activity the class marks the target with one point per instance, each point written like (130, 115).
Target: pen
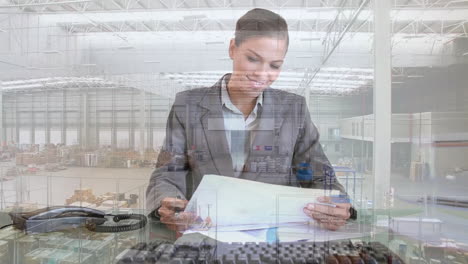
(176, 209)
(326, 204)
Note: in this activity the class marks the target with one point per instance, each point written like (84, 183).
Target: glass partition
(429, 113)
(87, 88)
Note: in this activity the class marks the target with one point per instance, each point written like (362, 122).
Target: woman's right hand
(172, 214)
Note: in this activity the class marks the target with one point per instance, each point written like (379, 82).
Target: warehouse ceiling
(116, 37)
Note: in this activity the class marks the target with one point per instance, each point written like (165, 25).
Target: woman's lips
(256, 84)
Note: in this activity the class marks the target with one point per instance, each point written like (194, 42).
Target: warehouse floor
(53, 188)
(454, 219)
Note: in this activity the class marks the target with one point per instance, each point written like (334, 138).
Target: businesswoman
(240, 127)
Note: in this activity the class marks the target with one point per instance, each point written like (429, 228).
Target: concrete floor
(454, 219)
(53, 188)
(407, 193)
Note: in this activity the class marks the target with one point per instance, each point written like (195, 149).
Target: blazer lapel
(213, 127)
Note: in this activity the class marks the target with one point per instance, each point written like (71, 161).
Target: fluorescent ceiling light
(52, 79)
(340, 81)
(219, 14)
(345, 76)
(214, 42)
(50, 68)
(464, 54)
(344, 69)
(177, 15)
(336, 85)
(415, 76)
(50, 51)
(27, 81)
(125, 47)
(193, 17)
(36, 85)
(310, 39)
(331, 88)
(414, 36)
(45, 4)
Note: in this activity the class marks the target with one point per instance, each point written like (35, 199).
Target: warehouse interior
(86, 87)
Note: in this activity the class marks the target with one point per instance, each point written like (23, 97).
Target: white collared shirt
(239, 131)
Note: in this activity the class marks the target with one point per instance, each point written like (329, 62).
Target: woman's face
(257, 63)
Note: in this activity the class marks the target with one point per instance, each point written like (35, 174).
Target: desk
(82, 246)
(78, 245)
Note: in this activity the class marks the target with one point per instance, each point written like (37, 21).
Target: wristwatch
(352, 213)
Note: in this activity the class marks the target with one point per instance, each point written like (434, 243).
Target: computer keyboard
(209, 252)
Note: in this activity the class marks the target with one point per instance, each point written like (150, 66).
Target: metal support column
(131, 130)
(97, 119)
(33, 123)
(2, 128)
(142, 118)
(382, 102)
(84, 121)
(47, 119)
(17, 120)
(150, 122)
(63, 129)
(113, 129)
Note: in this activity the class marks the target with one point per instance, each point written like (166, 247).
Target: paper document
(290, 233)
(236, 204)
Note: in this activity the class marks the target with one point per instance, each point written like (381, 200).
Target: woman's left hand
(330, 217)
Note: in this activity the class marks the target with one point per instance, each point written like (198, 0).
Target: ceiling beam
(39, 4)
(140, 3)
(118, 4)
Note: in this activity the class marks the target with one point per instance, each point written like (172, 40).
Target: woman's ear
(232, 47)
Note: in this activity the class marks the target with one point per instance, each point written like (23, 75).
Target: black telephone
(58, 218)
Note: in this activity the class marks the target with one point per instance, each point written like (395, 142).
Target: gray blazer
(196, 145)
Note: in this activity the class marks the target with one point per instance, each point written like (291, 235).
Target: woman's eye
(276, 67)
(251, 59)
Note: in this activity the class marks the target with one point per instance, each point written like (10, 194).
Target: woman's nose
(261, 71)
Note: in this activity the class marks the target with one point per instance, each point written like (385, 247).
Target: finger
(339, 202)
(186, 216)
(325, 218)
(345, 206)
(179, 221)
(335, 221)
(329, 210)
(324, 199)
(327, 223)
(166, 220)
(174, 203)
(165, 212)
(319, 217)
(331, 224)
(322, 218)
